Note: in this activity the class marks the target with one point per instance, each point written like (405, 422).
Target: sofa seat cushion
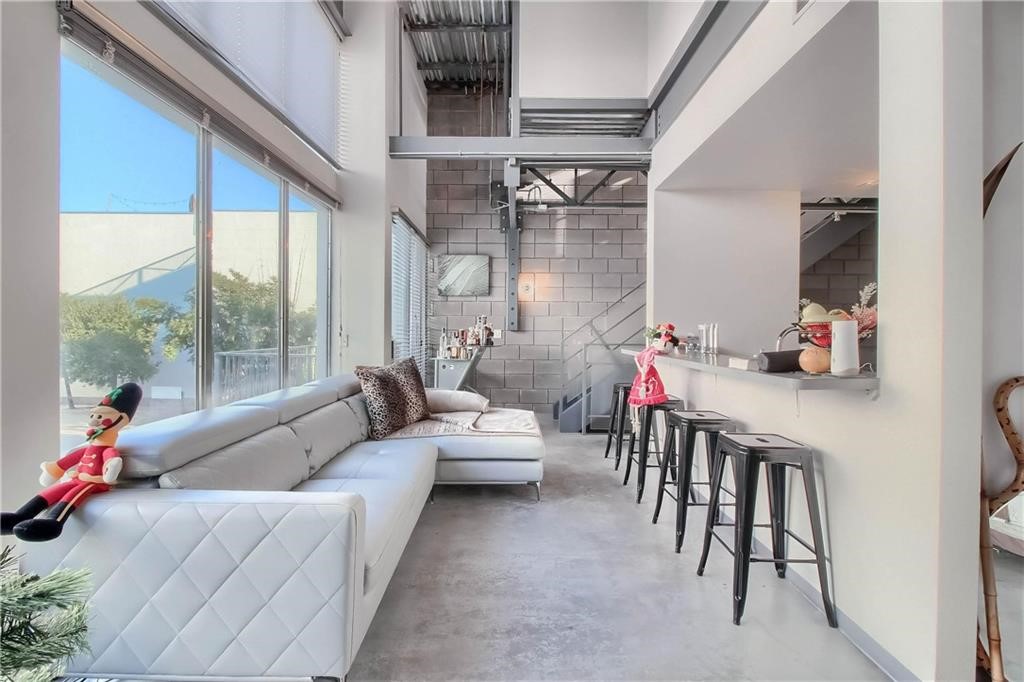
(394, 460)
(271, 460)
(391, 506)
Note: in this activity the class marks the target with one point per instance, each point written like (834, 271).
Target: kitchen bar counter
(800, 381)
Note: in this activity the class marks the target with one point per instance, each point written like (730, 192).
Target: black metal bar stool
(647, 418)
(749, 451)
(689, 424)
(617, 420)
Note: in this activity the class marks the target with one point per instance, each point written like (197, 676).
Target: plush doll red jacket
(86, 470)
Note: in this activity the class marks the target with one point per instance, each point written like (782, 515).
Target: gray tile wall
(574, 262)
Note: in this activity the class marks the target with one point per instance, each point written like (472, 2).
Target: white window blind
(288, 51)
(408, 293)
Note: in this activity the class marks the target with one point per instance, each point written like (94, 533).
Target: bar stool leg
(746, 491)
(670, 446)
(717, 470)
(611, 422)
(777, 507)
(629, 455)
(684, 482)
(647, 424)
(710, 445)
(811, 489)
(620, 428)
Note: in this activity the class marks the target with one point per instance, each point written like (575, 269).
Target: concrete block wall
(574, 262)
(835, 281)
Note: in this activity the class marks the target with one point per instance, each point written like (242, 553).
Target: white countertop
(801, 381)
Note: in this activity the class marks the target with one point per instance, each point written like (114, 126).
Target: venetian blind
(408, 293)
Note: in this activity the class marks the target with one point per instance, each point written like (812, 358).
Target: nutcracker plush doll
(86, 470)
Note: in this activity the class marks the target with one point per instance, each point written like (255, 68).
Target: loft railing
(240, 374)
(619, 325)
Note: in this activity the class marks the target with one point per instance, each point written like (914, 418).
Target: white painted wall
(1003, 340)
(373, 184)
(667, 23)
(29, 71)
(901, 472)
(718, 248)
(769, 42)
(583, 49)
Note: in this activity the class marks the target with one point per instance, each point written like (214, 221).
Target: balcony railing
(240, 374)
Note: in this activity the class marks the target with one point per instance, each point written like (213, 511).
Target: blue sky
(120, 155)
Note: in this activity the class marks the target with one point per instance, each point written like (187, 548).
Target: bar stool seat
(617, 420)
(641, 458)
(689, 423)
(749, 451)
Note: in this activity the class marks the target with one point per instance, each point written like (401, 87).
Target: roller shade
(288, 52)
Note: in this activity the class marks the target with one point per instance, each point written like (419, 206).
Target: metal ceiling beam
(431, 66)
(592, 205)
(861, 206)
(438, 27)
(600, 183)
(606, 149)
(555, 188)
(583, 104)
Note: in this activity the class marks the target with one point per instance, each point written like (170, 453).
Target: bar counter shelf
(800, 381)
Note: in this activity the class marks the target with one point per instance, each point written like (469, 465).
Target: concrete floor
(581, 586)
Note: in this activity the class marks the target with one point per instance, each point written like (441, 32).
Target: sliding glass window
(139, 180)
(127, 244)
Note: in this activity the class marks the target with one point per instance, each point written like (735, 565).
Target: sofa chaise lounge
(256, 540)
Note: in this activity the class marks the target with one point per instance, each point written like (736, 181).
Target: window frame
(211, 129)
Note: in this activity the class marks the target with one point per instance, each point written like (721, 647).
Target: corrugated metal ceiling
(460, 42)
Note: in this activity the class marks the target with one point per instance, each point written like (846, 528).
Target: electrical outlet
(497, 333)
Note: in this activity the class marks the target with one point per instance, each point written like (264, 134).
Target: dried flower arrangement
(820, 333)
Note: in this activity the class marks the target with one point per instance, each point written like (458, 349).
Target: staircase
(592, 361)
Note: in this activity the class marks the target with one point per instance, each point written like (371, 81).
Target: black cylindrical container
(779, 361)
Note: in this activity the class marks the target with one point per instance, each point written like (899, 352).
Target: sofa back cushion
(344, 385)
(271, 460)
(326, 432)
(161, 446)
(290, 403)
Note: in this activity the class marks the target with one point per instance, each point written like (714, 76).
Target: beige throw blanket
(495, 422)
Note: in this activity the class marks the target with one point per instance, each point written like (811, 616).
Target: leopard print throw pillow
(395, 396)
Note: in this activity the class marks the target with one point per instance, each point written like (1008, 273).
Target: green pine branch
(43, 621)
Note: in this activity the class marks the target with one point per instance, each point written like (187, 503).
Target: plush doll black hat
(125, 398)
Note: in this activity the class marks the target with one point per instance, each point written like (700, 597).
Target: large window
(408, 293)
(138, 269)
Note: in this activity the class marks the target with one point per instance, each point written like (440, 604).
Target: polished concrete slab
(581, 586)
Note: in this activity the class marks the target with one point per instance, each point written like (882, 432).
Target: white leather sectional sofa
(256, 540)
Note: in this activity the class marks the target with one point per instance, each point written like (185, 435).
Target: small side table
(452, 374)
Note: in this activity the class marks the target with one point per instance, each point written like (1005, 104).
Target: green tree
(245, 318)
(109, 339)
